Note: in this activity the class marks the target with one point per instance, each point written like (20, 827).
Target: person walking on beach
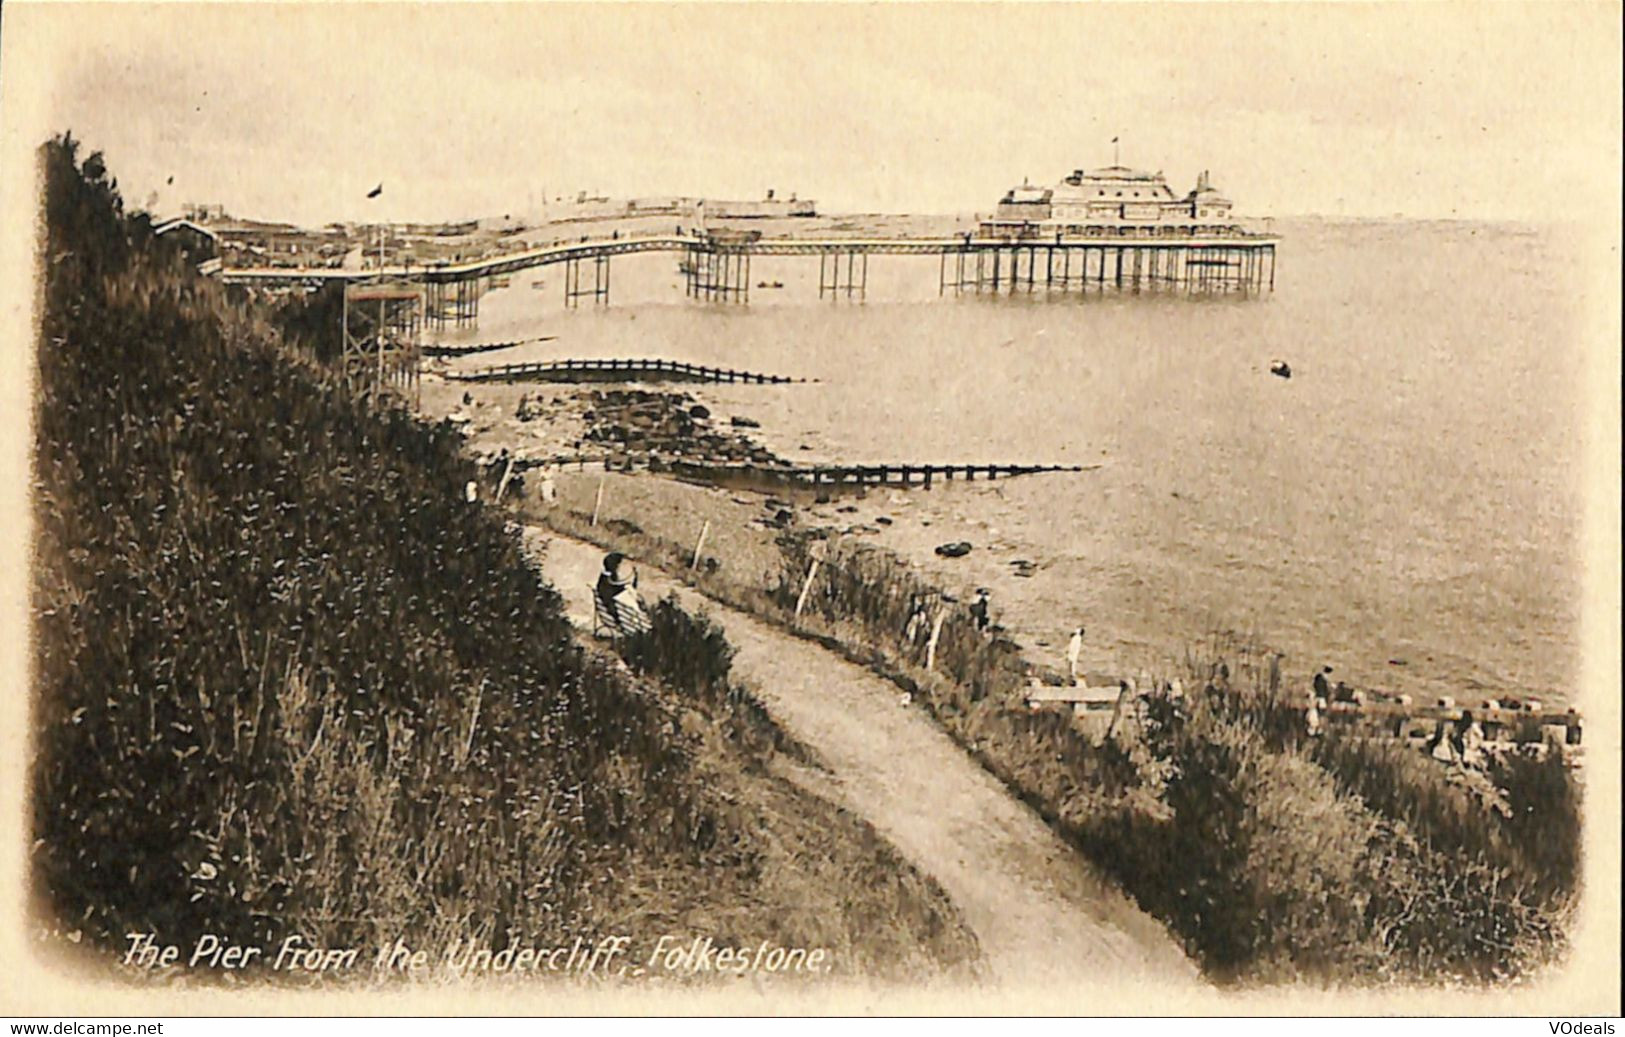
(1074, 653)
(1438, 744)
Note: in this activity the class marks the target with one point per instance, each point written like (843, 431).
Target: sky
(295, 111)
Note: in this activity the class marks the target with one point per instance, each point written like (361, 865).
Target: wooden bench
(1079, 699)
(615, 621)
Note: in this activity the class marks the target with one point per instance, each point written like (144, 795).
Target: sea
(1404, 508)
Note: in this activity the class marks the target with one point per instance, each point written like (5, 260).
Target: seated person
(617, 592)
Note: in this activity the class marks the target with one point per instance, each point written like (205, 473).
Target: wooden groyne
(818, 479)
(620, 371)
(488, 347)
(822, 480)
(835, 476)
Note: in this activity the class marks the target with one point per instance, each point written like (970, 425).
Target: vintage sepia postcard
(542, 508)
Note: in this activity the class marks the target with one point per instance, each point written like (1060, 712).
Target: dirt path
(1043, 914)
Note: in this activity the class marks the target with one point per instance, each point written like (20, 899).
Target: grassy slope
(287, 680)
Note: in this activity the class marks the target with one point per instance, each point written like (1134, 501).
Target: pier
(716, 268)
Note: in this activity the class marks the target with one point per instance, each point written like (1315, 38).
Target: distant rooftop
(1112, 173)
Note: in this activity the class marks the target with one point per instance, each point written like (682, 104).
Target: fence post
(806, 585)
(936, 632)
(699, 545)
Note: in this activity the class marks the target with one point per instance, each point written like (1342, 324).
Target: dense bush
(310, 321)
(692, 653)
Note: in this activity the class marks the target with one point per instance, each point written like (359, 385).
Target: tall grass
(1521, 814)
(226, 541)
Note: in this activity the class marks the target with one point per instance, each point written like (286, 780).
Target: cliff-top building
(1114, 196)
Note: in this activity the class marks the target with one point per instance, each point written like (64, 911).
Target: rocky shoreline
(667, 425)
(567, 424)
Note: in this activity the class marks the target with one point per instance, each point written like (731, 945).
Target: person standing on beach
(1074, 653)
(978, 609)
(916, 619)
(1322, 689)
(1467, 741)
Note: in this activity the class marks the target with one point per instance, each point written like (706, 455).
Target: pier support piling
(382, 332)
(718, 274)
(854, 279)
(598, 291)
